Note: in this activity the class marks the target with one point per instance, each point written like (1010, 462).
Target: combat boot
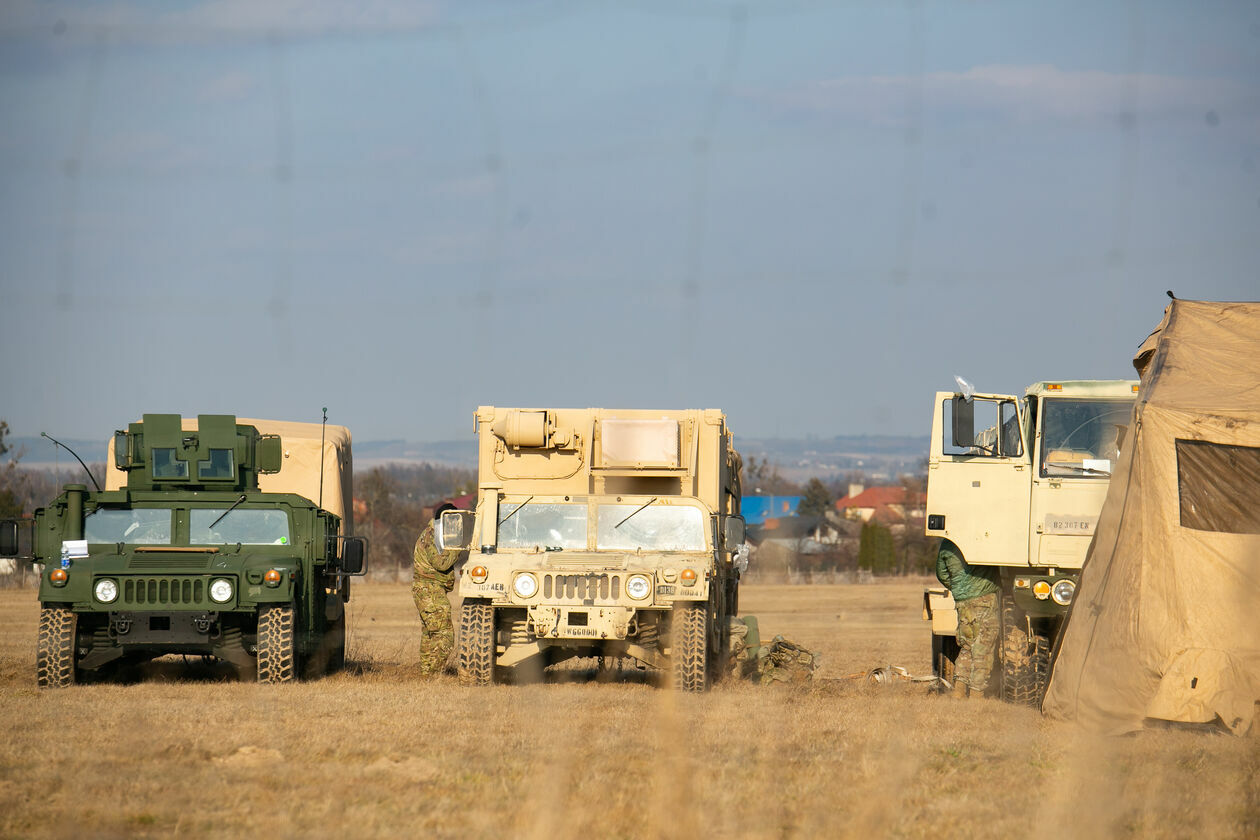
(959, 690)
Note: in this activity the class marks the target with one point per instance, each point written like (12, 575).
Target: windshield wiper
(226, 512)
(635, 512)
(516, 510)
(1062, 466)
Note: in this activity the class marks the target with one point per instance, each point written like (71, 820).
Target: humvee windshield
(655, 527)
(150, 526)
(1080, 438)
(533, 524)
(210, 526)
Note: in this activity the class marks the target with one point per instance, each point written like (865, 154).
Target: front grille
(173, 591)
(168, 561)
(582, 587)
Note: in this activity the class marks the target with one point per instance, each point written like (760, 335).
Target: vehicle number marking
(1056, 523)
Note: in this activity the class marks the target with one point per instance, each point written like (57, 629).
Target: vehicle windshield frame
(628, 512)
(137, 525)
(512, 508)
(252, 526)
(1082, 448)
(537, 523)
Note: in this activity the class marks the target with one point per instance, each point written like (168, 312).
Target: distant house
(804, 542)
(893, 506)
(757, 509)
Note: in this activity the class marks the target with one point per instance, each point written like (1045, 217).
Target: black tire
(944, 655)
(54, 658)
(337, 644)
(277, 651)
(1024, 657)
(476, 643)
(689, 646)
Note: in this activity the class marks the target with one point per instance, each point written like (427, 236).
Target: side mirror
(270, 454)
(353, 556)
(454, 530)
(8, 538)
(964, 416)
(122, 458)
(734, 532)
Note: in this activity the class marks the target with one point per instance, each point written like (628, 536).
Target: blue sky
(811, 215)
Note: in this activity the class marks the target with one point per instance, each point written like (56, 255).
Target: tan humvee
(599, 532)
(1018, 483)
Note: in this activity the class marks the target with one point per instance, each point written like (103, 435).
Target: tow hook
(122, 626)
(202, 623)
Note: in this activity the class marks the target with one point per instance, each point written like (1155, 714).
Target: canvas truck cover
(1165, 625)
(299, 472)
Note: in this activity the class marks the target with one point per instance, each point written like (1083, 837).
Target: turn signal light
(688, 577)
(58, 576)
(479, 574)
(272, 577)
(1041, 589)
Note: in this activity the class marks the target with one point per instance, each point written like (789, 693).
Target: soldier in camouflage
(433, 575)
(975, 591)
(781, 661)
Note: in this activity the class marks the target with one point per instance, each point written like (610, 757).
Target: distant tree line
(398, 502)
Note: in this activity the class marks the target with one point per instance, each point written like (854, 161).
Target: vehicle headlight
(525, 585)
(221, 590)
(1063, 591)
(106, 590)
(638, 587)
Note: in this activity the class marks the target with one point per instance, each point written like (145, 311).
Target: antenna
(321, 458)
(76, 457)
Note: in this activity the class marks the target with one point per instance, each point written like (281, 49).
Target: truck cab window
(1080, 438)
(994, 432)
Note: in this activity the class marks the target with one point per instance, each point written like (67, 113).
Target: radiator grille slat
(179, 591)
(581, 588)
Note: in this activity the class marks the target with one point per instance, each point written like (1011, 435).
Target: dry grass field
(377, 752)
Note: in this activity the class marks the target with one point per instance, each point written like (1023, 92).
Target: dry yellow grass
(381, 753)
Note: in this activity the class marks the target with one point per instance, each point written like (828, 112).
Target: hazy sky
(811, 215)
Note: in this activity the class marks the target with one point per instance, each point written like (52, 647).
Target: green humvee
(188, 555)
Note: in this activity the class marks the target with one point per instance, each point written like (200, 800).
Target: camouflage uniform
(433, 576)
(975, 591)
(780, 661)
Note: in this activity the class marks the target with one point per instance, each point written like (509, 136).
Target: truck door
(980, 477)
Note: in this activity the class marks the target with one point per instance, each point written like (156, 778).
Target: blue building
(757, 509)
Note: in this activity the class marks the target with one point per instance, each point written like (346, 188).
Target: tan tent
(1166, 620)
(300, 469)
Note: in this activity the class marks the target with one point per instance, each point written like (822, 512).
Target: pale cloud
(228, 87)
(471, 187)
(1025, 93)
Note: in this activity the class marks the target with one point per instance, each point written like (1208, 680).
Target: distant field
(381, 753)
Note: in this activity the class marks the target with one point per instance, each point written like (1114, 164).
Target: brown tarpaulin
(1165, 625)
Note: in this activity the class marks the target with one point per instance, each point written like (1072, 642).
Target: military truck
(1017, 483)
(599, 533)
(211, 538)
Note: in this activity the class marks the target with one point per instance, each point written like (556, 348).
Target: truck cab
(1017, 483)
